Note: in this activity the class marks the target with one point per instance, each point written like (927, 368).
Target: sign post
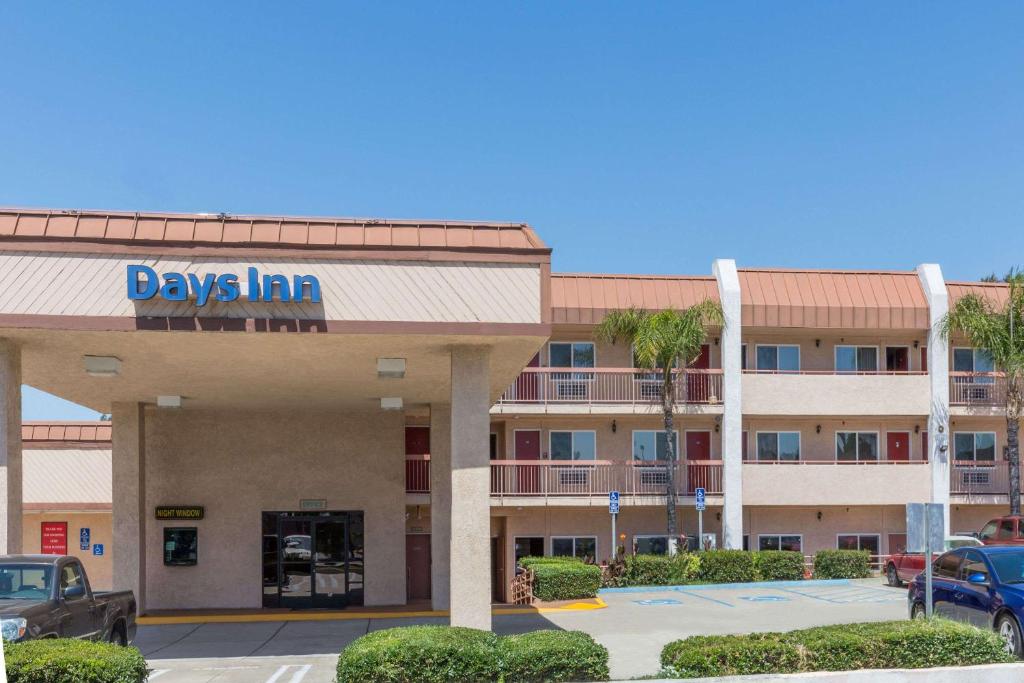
(925, 535)
(700, 502)
(613, 510)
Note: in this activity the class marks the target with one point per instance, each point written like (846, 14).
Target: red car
(1007, 530)
(903, 567)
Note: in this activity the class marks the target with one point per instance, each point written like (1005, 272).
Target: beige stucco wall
(239, 464)
(828, 394)
(99, 568)
(831, 484)
(815, 445)
(821, 534)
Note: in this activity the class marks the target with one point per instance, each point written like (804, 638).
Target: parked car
(903, 567)
(49, 596)
(1007, 530)
(983, 586)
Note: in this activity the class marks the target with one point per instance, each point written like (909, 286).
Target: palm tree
(999, 330)
(661, 341)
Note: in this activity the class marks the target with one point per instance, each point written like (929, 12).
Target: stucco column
(129, 488)
(470, 504)
(10, 446)
(440, 504)
(732, 415)
(938, 376)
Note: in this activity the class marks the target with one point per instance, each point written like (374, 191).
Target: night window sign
(181, 546)
(179, 512)
(144, 284)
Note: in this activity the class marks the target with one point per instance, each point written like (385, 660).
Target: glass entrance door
(312, 560)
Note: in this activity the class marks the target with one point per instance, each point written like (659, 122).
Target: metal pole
(700, 530)
(615, 539)
(927, 564)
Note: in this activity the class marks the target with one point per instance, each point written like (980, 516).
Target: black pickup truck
(49, 596)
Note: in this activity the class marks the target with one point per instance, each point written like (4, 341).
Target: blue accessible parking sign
(97, 549)
(700, 498)
(613, 502)
(83, 538)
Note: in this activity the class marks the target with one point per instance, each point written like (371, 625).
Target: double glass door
(312, 560)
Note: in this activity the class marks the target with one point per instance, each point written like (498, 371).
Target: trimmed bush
(444, 653)
(726, 566)
(544, 656)
(778, 565)
(884, 645)
(659, 570)
(565, 581)
(433, 654)
(73, 661)
(842, 564)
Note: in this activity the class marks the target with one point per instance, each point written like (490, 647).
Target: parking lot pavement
(635, 626)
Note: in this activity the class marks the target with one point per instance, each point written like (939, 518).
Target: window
(583, 547)
(25, 582)
(571, 355)
(987, 532)
(856, 446)
(71, 577)
(650, 545)
(580, 445)
(868, 542)
(650, 445)
(856, 359)
(947, 566)
(778, 358)
(972, 360)
(780, 542)
(973, 564)
(529, 546)
(743, 356)
(181, 546)
(979, 446)
(772, 446)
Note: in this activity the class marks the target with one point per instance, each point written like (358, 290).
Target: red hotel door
(898, 445)
(698, 447)
(417, 566)
(527, 447)
(698, 386)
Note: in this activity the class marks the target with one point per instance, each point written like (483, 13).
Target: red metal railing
(977, 388)
(417, 474)
(610, 385)
(979, 477)
(598, 477)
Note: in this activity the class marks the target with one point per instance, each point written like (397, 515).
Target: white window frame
(516, 538)
(910, 357)
(574, 432)
(632, 441)
(800, 446)
(551, 545)
(637, 537)
(799, 357)
(779, 536)
(835, 444)
(858, 534)
(581, 341)
(974, 434)
(878, 358)
(711, 443)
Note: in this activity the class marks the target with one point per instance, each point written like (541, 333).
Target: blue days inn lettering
(145, 283)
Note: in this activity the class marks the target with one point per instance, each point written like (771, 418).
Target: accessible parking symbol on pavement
(662, 601)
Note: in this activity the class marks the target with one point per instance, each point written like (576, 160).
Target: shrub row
(435, 654)
(842, 564)
(710, 566)
(562, 578)
(73, 661)
(885, 645)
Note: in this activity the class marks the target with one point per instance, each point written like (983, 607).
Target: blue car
(983, 586)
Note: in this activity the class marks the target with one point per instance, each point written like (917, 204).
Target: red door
(698, 385)
(924, 359)
(417, 459)
(417, 566)
(527, 447)
(924, 445)
(698, 452)
(898, 446)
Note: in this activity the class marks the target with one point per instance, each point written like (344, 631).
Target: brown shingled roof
(276, 231)
(833, 299)
(581, 298)
(72, 433)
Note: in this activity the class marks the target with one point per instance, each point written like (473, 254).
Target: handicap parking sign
(700, 498)
(83, 538)
(97, 549)
(613, 502)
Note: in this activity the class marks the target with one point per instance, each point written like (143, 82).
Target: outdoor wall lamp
(915, 343)
(102, 366)
(718, 516)
(819, 515)
(168, 401)
(817, 429)
(615, 427)
(716, 341)
(391, 368)
(817, 342)
(917, 429)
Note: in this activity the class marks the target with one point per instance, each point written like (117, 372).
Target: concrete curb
(987, 673)
(725, 586)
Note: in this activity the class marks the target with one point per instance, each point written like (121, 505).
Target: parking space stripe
(281, 670)
(297, 675)
(157, 673)
(703, 597)
(301, 673)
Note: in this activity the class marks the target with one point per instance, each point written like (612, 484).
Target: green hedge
(442, 653)
(659, 570)
(726, 566)
(842, 564)
(562, 578)
(778, 565)
(552, 656)
(884, 645)
(73, 661)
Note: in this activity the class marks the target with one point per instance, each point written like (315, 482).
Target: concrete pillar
(129, 487)
(732, 416)
(470, 595)
(10, 447)
(938, 375)
(440, 504)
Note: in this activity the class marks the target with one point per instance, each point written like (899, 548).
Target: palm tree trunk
(1014, 398)
(667, 392)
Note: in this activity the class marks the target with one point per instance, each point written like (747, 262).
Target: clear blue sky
(634, 137)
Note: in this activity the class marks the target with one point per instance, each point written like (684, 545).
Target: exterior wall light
(391, 368)
(391, 403)
(817, 429)
(615, 427)
(819, 515)
(102, 366)
(168, 401)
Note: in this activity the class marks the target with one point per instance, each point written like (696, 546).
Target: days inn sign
(144, 283)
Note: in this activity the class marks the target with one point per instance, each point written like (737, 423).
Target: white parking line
(157, 673)
(297, 676)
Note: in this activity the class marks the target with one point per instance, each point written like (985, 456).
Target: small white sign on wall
(313, 504)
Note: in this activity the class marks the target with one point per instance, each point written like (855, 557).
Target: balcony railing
(610, 386)
(546, 478)
(417, 474)
(977, 388)
(969, 477)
